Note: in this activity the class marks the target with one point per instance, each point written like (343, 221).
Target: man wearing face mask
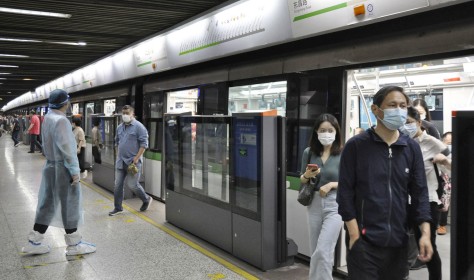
(131, 141)
(379, 169)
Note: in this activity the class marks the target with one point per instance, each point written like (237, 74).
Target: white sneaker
(35, 247)
(84, 174)
(80, 249)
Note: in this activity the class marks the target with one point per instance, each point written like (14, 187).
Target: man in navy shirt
(380, 169)
(131, 141)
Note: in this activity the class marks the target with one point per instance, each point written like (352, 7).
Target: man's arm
(426, 248)
(353, 229)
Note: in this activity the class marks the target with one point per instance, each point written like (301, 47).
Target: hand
(309, 173)
(75, 179)
(135, 161)
(324, 190)
(78, 150)
(426, 249)
(352, 240)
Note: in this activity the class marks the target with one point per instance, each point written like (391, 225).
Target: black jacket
(374, 183)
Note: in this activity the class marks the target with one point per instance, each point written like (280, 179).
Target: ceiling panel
(106, 26)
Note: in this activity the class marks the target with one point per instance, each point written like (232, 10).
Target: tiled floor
(129, 246)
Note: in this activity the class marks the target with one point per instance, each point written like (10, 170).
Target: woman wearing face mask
(425, 116)
(430, 147)
(324, 221)
(81, 144)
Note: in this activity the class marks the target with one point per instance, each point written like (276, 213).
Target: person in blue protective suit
(59, 197)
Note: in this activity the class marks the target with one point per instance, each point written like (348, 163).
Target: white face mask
(422, 116)
(326, 138)
(126, 118)
(409, 129)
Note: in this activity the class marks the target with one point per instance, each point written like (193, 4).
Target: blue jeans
(121, 177)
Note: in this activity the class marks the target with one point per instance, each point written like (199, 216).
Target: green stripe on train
(153, 155)
(294, 182)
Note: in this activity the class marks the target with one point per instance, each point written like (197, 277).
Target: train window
(182, 101)
(264, 96)
(426, 80)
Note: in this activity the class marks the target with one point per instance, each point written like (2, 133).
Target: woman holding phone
(320, 163)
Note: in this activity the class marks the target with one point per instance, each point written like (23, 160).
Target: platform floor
(134, 245)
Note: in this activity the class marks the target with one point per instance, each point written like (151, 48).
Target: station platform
(134, 245)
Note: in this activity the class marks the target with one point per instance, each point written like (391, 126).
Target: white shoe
(34, 246)
(76, 246)
(84, 174)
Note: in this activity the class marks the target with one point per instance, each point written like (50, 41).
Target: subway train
(334, 71)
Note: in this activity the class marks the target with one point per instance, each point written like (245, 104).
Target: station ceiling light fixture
(33, 13)
(79, 43)
(5, 73)
(13, 55)
(8, 66)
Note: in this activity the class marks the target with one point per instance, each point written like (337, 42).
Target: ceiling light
(8, 66)
(34, 13)
(5, 73)
(13, 55)
(3, 78)
(27, 79)
(80, 43)
(68, 43)
(20, 40)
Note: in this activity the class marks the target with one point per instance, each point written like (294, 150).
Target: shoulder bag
(306, 191)
(444, 190)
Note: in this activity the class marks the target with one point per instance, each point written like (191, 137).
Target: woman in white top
(81, 144)
(430, 147)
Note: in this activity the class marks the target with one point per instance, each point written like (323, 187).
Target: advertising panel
(311, 17)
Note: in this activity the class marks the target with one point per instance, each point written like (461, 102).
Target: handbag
(96, 155)
(306, 191)
(444, 190)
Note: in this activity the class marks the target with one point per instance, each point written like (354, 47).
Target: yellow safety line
(73, 258)
(181, 238)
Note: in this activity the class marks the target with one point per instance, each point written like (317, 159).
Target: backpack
(444, 190)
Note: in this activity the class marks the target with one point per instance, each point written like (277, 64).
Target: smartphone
(313, 166)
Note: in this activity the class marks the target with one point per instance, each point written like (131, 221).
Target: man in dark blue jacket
(379, 170)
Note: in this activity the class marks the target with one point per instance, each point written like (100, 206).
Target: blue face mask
(409, 129)
(393, 119)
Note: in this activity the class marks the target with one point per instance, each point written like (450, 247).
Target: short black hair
(33, 112)
(128, 107)
(77, 121)
(379, 97)
(413, 113)
(96, 121)
(446, 134)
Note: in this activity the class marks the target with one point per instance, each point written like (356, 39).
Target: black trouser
(80, 157)
(370, 262)
(15, 136)
(434, 265)
(33, 142)
(42, 229)
(443, 218)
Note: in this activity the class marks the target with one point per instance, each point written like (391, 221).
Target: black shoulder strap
(440, 180)
(309, 156)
